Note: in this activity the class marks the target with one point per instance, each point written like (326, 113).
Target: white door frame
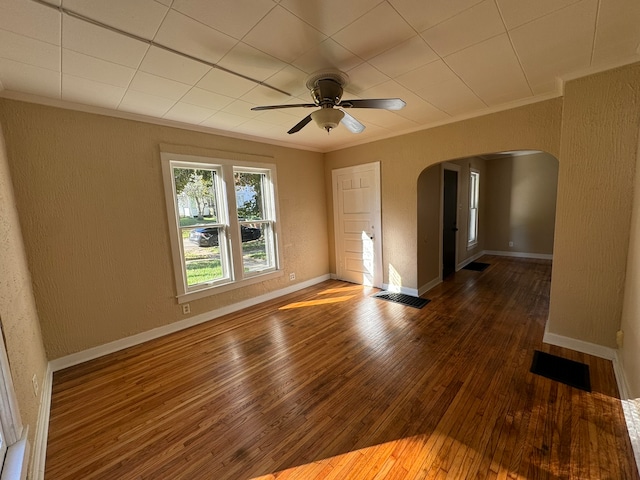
(376, 217)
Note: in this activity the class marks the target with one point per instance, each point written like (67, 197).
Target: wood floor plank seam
(360, 389)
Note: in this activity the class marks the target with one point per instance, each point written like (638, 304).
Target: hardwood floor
(330, 383)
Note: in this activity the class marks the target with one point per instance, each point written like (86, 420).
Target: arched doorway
(513, 215)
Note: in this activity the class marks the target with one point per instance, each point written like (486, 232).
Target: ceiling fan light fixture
(327, 118)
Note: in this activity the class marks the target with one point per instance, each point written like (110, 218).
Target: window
(474, 197)
(224, 215)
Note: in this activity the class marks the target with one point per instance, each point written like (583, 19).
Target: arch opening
(514, 214)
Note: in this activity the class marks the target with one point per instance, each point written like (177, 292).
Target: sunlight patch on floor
(312, 303)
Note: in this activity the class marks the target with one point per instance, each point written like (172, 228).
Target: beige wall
(18, 314)
(521, 203)
(91, 199)
(429, 230)
(535, 126)
(601, 121)
(631, 304)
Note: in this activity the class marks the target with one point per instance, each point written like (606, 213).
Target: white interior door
(357, 224)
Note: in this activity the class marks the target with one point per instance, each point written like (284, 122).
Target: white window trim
(473, 243)
(15, 461)
(237, 280)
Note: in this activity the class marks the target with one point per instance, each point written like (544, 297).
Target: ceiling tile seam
(301, 19)
(141, 69)
(31, 37)
(441, 21)
(190, 103)
(520, 25)
(62, 30)
(427, 101)
(31, 64)
(513, 47)
(444, 60)
(149, 49)
(61, 34)
(94, 81)
(275, 5)
(161, 22)
(452, 16)
(153, 43)
(418, 34)
(197, 21)
(472, 45)
(115, 64)
(595, 33)
(335, 33)
(62, 80)
(403, 19)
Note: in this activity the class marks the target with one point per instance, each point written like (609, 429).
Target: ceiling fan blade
(298, 126)
(385, 103)
(292, 105)
(353, 125)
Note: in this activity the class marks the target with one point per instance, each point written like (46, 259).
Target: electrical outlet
(511, 244)
(34, 380)
(292, 277)
(186, 308)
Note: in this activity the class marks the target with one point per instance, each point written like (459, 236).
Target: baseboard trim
(117, 345)
(467, 261)
(631, 409)
(399, 289)
(429, 285)
(630, 406)
(36, 470)
(540, 256)
(579, 345)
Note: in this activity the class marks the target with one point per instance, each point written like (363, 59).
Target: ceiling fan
(326, 90)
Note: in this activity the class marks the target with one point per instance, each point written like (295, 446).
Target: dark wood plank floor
(330, 383)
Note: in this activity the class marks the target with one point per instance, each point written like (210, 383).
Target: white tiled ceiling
(177, 59)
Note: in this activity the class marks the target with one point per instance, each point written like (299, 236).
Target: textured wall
(601, 121)
(429, 233)
(17, 308)
(521, 203)
(631, 305)
(535, 126)
(90, 196)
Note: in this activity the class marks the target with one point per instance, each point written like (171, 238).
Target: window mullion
(234, 226)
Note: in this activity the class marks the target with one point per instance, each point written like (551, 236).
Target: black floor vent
(563, 370)
(408, 300)
(476, 266)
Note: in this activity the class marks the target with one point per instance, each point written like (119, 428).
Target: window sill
(214, 290)
(15, 461)
(471, 246)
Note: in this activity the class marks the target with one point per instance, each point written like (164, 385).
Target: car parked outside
(208, 236)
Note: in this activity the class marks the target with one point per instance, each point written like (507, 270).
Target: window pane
(473, 224)
(196, 199)
(202, 257)
(257, 254)
(249, 195)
